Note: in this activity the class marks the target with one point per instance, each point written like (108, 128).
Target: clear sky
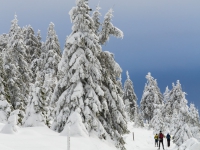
(160, 36)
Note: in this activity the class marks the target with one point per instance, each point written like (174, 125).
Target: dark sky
(160, 36)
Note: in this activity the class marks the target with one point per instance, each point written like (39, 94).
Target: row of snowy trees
(169, 112)
(41, 86)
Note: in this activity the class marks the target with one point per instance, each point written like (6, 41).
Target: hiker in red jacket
(160, 137)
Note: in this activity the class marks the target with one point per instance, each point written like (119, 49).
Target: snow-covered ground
(43, 138)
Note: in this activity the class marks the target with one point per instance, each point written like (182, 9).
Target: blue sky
(160, 36)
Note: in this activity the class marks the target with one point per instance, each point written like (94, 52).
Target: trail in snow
(143, 140)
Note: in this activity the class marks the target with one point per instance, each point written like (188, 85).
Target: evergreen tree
(138, 119)
(3, 41)
(81, 83)
(95, 17)
(194, 115)
(5, 109)
(37, 61)
(157, 122)
(130, 98)
(151, 98)
(52, 58)
(16, 69)
(37, 112)
(176, 96)
(109, 29)
(183, 132)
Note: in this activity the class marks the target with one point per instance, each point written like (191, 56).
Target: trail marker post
(68, 137)
(133, 136)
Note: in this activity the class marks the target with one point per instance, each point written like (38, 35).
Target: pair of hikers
(159, 137)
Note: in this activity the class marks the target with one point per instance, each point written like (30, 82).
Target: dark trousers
(156, 142)
(168, 142)
(161, 141)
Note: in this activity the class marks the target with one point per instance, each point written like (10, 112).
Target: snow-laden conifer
(3, 41)
(11, 126)
(176, 98)
(151, 98)
(194, 115)
(138, 119)
(37, 111)
(157, 122)
(183, 131)
(109, 29)
(81, 82)
(111, 72)
(96, 18)
(16, 68)
(37, 58)
(5, 109)
(130, 98)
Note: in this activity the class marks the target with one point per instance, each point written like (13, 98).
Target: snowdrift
(190, 144)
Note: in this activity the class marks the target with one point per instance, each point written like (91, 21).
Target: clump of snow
(11, 127)
(190, 144)
(74, 126)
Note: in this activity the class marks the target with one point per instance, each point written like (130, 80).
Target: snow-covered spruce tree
(52, 58)
(37, 111)
(37, 58)
(157, 122)
(174, 102)
(12, 125)
(138, 119)
(3, 41)
(194, 115)
(109, 29)
(81, 83)
(17, 72)
(183, 132)
(111, 72)
(96, 17)
(5, 109)
(130, 98)
(151, 98)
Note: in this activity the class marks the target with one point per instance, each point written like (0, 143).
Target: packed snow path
(143, 139)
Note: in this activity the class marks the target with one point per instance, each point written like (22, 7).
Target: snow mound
(2, 147)
(9, 129)
(190, 144)
(77, 128)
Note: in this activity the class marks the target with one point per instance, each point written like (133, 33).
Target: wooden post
(133, 136)
(68, 137)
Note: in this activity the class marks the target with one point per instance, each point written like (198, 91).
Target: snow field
(43, 138)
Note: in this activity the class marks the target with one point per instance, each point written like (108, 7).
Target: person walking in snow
(161, 136)
(168, 139)
(156, 140)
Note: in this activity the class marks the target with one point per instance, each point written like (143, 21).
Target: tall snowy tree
(37, 61)
(130, 98)
(194, 115)
(151, 98)
(5, 109)
(37, 111)
(3, 41)
(96, 18)
(109, 29)
(157, 122)
(81, 84)
(138, 119)
(17, 69)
